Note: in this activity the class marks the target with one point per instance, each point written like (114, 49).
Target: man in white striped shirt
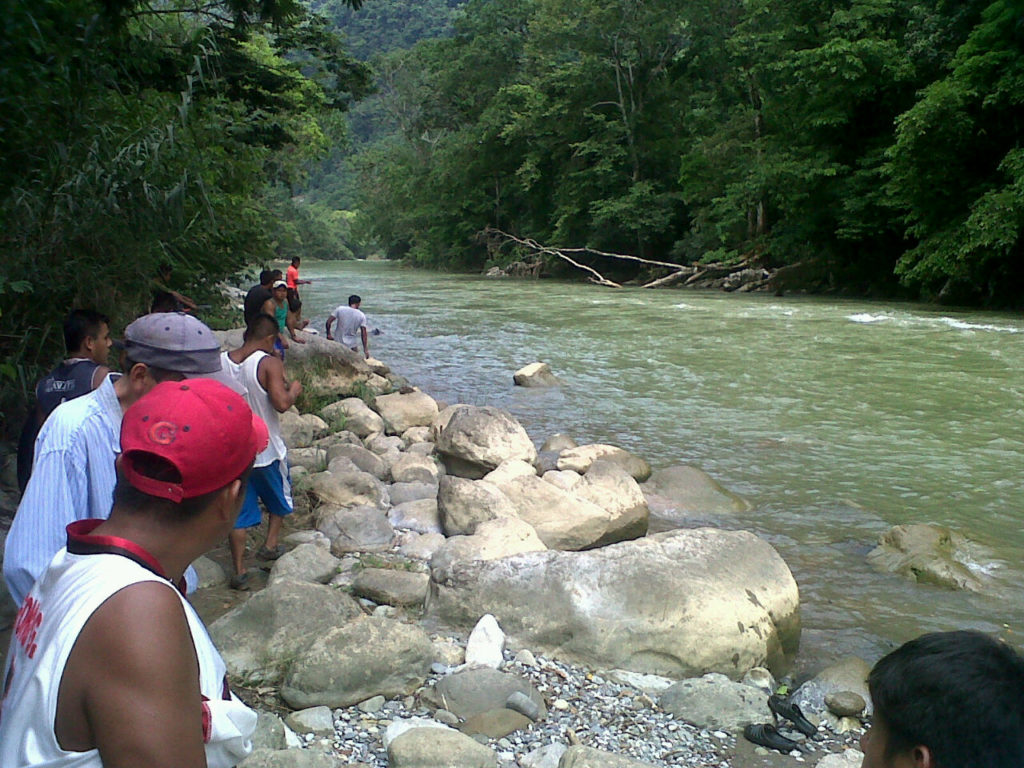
(74, 475)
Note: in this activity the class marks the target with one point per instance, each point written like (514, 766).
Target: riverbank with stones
(393, 512)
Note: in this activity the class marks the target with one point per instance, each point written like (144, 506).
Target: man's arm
(131, 685)
(366, 343)
(330, 322)
(282, 393)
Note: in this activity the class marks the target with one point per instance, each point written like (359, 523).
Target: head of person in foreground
(947, 700)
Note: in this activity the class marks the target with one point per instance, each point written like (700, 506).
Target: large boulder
(410, 468)
(535, 375)
(364, 658)
(387, 586)
(259, 637)
(683, 495)
(312, 562)
(300, 430)
(928, 554)
(464, 504)
(580, 458)
(347, 489)
(478, 439)
(401, 493)
(419, 515)
(562, 521)
(356, 529)
(678, 604)
(404, 411)
(714, 701)
(509, 470)
(612, 488)
(492, 539)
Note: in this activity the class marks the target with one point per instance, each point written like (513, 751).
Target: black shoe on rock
(765, 735)
(786, 709)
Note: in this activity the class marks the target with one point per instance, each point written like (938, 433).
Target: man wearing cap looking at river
(109, 664)
(74, 476)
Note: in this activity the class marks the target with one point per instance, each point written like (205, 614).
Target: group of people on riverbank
(140, 473)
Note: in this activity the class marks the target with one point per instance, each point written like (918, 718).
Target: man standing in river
(351, 325)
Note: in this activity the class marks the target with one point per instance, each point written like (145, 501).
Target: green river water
(836, 419)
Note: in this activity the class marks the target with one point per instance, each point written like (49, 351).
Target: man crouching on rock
(947, 700)
(109, 664)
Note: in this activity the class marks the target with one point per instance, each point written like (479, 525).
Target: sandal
(785, 708)
(270, 554)
(765, 735)
(240, 582)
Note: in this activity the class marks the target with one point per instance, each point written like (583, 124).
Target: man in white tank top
(254, 370)
(109, 664)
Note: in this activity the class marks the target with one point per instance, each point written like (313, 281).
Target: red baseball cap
(206, 431)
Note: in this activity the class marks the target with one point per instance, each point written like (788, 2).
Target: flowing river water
(837, 419)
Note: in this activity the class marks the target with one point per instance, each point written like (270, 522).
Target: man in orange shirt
(291, 277)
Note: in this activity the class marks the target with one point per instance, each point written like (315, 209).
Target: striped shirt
(73, 478)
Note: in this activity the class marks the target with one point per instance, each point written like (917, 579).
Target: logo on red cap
(163, 433)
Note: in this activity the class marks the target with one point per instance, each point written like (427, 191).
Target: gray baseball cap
(173, 341)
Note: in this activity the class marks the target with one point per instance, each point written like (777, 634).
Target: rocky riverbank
(453, 596)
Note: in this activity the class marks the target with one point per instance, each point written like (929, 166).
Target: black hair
(266, 276)
(353, 299)
(296, 260)
(277, 274)
(261, 326)
(159, 375)
(957, 693)
(79, 325)
(133, 501)
(164, 301)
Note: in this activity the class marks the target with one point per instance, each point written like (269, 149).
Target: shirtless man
(104, 640)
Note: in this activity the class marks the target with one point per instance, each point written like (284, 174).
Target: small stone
(485, 644)
(524, 705)
(373, 704)
(560, 704)
(446, 717)
(526, 658)
(845, 703)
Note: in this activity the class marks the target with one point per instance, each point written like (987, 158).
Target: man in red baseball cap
(105, 639)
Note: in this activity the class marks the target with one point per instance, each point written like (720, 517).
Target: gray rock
(928, 554)
(524, 705)
(493, 539)
(845, 703)
(307, 562)
(316, 720)
(588, 757)
(543, 757)
(363, 658)
(420, 516)
(269, 733)
(535, 375)
(464, 504)
(258, 637)
(546, 461)
(484, 436)
(358, 529)
(410, 468)
(300, 430)
(494, 723)
(485, 644)
(365, 460)
(419, 546)
(759, 677)
(716, 702)
(849, 674)
(674, 604)
(390, 587)
(446, 717)
(848, 758)
(209, 573)
(612, 488)
(647, 683)
(433, 748)
(565, 479)
(356, 416)
(397, 727)
(289, 758)
(313, 458)
(558, 443)
(562, 521)
(508, 470)
(404, 411)
(400, 493)
(373, 704)
(580, 458)
(422, 449)
(414, 435)
(684, 494)
(347, 489)
(381, 444)
(477, 690)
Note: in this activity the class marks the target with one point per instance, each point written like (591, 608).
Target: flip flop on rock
(786, 709)
(765, 735)
(270, 554)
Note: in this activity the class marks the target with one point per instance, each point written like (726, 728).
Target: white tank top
(49, 622)
(259, 401)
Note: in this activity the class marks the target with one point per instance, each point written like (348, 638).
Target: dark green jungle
(872, 145)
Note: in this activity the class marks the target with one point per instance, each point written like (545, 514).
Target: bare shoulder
(138, 621)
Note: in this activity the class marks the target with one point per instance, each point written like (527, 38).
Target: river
(835, 418)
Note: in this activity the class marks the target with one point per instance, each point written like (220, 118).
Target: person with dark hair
(291, 277)
(87, 343)
(109, 664)
(165, 298)
(257, 296)
(947, 700)
(74, 473)
(351, 324)
(258, 374)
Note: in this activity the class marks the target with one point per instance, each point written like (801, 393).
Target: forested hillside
(875, 144)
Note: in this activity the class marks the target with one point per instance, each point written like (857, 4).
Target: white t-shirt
(349, 320)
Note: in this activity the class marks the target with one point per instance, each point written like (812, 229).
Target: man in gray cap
(74, 476)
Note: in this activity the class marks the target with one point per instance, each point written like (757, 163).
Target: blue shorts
(271, 484)
(279, 348)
